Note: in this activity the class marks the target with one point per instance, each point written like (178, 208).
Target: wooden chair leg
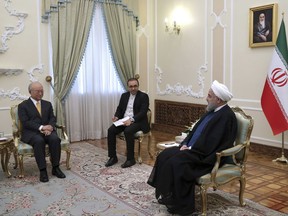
(15, 159)
(68, 153)
(149, 147)
(139, 150)
(241, 191)
(21, 166)
(203, 192)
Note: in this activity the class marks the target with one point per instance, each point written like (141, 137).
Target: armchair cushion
(24, 148)
(224, 174)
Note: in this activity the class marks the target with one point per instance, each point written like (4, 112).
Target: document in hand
(168, 145)
(120, 121)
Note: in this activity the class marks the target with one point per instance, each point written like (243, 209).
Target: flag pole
(282, 158)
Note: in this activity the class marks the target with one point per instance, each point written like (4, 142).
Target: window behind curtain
(95, 94)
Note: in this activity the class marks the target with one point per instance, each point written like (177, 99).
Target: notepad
(168, 145)
(3, 138)
(121, 121)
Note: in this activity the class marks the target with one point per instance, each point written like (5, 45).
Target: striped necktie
(38, 106)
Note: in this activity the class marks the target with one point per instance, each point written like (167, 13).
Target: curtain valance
(50, 6)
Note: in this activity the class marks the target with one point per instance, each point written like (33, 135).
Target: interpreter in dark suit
(133, 104)
(39, 129)
(177, 168)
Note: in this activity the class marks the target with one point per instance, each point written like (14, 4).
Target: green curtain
(70, 24)
(121, 28)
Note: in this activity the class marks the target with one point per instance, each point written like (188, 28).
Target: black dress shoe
(111, 161)
(43, 176)
(57, 172)
(128, 163)
(166, 200)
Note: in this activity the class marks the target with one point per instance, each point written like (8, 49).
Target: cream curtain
(121, 27)
(70, 23)
(95, 94)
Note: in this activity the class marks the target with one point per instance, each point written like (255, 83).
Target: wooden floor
(267, 181)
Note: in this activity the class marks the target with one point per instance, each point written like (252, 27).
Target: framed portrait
(263, 25)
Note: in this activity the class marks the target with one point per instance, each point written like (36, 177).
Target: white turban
(221, 91)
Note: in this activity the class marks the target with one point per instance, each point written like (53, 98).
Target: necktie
(38, 106)
(200, 128)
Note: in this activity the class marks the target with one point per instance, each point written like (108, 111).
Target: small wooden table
(6, 148)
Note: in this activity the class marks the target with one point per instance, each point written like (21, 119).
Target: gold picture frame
(266, 33)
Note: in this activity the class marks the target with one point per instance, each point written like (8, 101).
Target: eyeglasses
(134, 86)
(37, 91)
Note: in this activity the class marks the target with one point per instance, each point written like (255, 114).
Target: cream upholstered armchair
(139, 136)
(23, 149)
(229, 172)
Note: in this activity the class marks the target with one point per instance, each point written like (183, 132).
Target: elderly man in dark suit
(133, 105)
(38, 121)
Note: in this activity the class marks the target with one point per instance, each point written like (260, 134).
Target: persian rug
(90, 188)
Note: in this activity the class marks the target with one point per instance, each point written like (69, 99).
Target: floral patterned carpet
(92, 189)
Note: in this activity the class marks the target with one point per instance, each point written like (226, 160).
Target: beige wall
(23, 54)
(213, 44)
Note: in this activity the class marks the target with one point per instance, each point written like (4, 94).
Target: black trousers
(129, 132)
(39, 142)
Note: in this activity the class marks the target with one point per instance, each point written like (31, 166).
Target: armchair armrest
(227, 152)
(63, 131)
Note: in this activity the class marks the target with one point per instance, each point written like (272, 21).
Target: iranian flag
(274, 99)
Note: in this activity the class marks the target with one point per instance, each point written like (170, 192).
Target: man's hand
(47, 130)
(114, 118)
(127, 122)
(184, 147)
(263, 37)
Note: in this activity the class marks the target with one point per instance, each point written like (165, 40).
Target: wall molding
(31, 73)
(10, 71)
(13, 94)
(10, 31)
(180, 89)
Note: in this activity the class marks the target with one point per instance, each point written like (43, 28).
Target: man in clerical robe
(177, 168)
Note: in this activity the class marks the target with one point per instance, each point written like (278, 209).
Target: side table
(6, 148)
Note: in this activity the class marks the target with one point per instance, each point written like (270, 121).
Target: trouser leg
(129, 137)
(111, 139)
(38, 144)
(53, 142)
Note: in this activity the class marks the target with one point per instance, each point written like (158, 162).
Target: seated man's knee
(128, 132)
(54, 138)
(111, 130)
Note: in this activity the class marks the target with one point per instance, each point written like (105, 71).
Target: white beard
(262, 23)
(210, 107)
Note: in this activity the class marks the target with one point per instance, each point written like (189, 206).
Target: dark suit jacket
(31, 119)
(140, 108)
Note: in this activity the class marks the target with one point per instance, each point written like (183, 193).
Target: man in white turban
(177, 168)
(221, 91)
